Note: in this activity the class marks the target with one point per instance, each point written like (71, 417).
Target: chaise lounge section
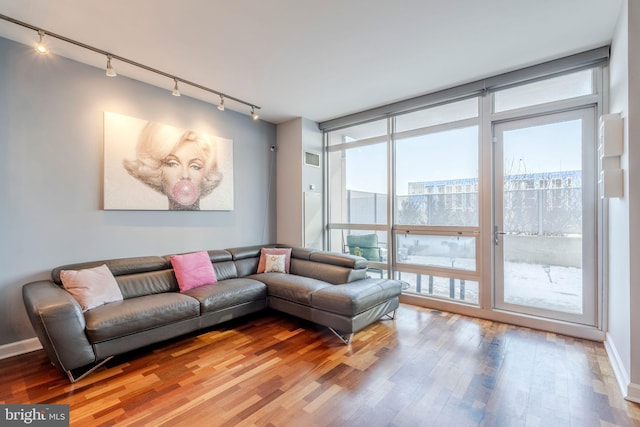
(330, 289)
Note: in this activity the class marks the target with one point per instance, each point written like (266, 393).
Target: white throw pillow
(275, 264)
(91, 287)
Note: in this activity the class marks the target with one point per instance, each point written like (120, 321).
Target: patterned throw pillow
(262, 263)
(275, 264)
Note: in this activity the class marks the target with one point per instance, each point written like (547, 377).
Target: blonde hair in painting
(157, 141)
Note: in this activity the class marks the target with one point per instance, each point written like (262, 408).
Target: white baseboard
(622, 376)
(19, 347)
(633, 394)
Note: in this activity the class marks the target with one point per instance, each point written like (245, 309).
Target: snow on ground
(550, 287)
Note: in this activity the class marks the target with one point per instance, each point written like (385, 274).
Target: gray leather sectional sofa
(327, 288)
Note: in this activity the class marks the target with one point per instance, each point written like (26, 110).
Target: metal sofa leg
(346, 339)
(391, 315)
(73, 379)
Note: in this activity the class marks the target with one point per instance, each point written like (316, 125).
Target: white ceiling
(318, 59)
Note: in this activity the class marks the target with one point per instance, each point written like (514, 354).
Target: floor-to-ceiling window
(486, 202)
(544, 198)
(358, 196)
(436, 211)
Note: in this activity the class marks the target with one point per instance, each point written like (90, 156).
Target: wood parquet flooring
(426, 368)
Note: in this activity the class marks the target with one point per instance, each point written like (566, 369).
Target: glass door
(544, 216)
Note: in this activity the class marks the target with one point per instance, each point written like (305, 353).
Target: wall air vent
(312, 159)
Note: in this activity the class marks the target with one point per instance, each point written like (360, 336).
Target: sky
(453, 154)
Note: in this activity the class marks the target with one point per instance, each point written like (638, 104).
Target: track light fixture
(41, 48)
(175, 91)
(110, 71)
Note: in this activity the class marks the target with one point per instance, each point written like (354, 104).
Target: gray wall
(51, 124)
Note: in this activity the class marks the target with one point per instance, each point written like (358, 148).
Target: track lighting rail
(41, 31)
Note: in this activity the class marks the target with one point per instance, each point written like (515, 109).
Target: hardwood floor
(426, 368)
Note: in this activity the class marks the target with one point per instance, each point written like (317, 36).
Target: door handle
(496, 234)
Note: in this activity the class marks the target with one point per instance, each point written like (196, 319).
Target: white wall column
(294, 179)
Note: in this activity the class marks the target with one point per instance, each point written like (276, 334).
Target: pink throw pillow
(91, 287)
(274, 251)
(193, 270)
